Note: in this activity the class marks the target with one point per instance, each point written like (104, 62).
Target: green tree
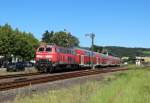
(47, 36)
(7, 40)
(17, 43)
(61, 38)
(97, 48)
(26, 45)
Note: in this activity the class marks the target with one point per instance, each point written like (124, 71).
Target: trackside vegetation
(14, 42)
(132, 86)
(22, 45)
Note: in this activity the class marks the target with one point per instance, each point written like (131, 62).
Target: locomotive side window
(48, 49)
(41, 49)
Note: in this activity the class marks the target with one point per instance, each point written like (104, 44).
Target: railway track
(18, 75)
(31, 81)
(23, 75)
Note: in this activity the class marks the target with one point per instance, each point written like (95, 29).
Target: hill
(126, 51)
(123, 51)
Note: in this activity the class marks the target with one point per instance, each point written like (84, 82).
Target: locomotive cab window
(41, 49)
(48, 49)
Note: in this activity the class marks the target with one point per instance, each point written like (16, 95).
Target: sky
(114, 22)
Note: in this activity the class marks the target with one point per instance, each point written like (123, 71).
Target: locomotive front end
(44, 59)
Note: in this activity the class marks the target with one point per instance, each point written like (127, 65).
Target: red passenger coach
(82, 57)
(85, 58)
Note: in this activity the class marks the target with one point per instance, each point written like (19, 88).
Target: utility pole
(92, 36)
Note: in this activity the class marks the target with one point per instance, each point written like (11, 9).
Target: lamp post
(92, 36)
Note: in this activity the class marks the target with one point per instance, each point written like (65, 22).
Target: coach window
(48, 49)
(71, 52)
(60, 50)
(63, 51)
(68, 51)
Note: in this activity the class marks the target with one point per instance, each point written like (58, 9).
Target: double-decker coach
(83, 57)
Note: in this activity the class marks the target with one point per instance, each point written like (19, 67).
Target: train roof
(88, 52)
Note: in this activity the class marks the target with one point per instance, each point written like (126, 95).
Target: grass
(131, 86)
(146, 52)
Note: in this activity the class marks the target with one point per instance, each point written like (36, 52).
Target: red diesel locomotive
(53, 57)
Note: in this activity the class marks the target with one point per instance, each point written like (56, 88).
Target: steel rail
(18, 75)
(28, 82)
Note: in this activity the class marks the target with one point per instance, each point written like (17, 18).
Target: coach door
(97, 60)
(82, 59)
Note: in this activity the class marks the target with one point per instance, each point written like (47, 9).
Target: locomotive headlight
(39, 56)
(48, 56)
